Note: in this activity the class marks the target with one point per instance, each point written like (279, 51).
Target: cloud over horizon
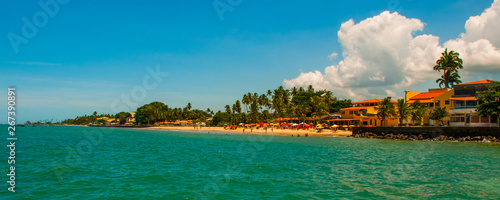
(382, 54)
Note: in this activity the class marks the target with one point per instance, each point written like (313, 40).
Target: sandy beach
(313, 133)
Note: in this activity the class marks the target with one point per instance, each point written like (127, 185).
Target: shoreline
(287, 132)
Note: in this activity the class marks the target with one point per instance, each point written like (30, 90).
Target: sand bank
(314, 133)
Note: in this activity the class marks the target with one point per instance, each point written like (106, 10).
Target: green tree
(122, 117)
(403, 110)
(385, 109)
(490, 102)
(320, 108)
(336, 105)
(449, 63)
(418, 111)
(438, 114)
(151, 113)
(453, 79)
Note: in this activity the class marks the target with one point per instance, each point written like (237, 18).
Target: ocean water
(108, 163)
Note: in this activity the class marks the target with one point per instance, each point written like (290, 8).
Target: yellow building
(434, 98)
(363, 113)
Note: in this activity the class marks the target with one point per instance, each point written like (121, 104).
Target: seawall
(491, 134)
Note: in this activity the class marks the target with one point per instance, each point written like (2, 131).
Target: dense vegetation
(306, 105)
(86, 119)
(159, 112)
(490, 102)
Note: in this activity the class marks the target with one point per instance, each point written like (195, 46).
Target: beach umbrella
(241, 124)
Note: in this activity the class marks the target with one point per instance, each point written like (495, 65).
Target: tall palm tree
(245, 101)
(403, 110)
(385, 109)
(234, 113)
(449, 63)
(294, 91)
(238, 106)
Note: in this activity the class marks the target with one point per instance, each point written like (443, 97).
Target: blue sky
(90, 53)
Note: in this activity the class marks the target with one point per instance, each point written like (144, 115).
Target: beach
(312, 132)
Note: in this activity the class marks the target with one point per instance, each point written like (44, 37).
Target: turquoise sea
(107, 163)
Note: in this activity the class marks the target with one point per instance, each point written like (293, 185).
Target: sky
(67, 58)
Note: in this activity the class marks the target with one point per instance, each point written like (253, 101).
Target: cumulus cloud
(478, 46)
(383, 53)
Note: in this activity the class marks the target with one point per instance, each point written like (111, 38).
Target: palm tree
(244, 100)
(294, 91)
(228, 109)
(320, 107)
(439, 114)
(234, 113)
(454, 78)
(385, 109)
(238, 106)
(449, 63)
(403, 110)
(189, 106)
(418, 111)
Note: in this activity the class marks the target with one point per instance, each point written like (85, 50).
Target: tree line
(86, 119)
(159, 112)
(299, 103)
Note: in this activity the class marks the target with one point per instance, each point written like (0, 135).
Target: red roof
(478, 82)
(371, 101)
(463, 99)
(421, 101)
(427, 95)
(357, 108)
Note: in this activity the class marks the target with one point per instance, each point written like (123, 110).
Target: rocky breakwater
(421, 137)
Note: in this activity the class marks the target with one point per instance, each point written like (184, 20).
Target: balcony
(465, 107)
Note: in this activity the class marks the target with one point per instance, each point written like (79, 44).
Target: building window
(447, 102)
(457, 118)
(343, 112)
(355, 112)
(350, 112)
(431, 105)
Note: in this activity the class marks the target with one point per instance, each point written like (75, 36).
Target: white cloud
(375, 54)
(383, 53)
(478, 46)
(333, 55)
